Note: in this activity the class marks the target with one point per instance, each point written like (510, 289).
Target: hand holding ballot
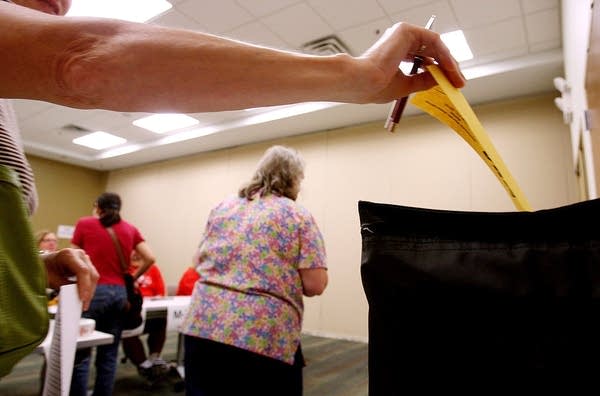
(447, 104)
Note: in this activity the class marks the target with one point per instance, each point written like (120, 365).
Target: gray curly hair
(279, 172)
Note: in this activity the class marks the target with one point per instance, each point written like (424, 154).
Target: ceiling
(516, 44)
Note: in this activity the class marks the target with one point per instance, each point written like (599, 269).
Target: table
(159, 307)
(90, 340)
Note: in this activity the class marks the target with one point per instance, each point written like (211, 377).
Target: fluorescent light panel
(457, 44)
(99, 140)
(129, 10)
(161, 123)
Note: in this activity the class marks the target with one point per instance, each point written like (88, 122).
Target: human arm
(124, 66)
(314, 281)
(147, 257)
(312, 258)
(66, 263)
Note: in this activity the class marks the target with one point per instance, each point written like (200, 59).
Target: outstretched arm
(124, 66)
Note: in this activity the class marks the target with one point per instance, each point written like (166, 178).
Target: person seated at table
(150, 366)
(187, 281)
(46, 241)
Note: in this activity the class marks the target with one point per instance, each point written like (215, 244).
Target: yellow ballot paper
(446, 103)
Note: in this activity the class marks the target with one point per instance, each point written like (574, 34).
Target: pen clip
(429, 24)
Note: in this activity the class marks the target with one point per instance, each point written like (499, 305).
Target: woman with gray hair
(260, 253)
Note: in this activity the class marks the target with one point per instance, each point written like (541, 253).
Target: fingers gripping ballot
(429, 45)
(402, 42)
(63, 265)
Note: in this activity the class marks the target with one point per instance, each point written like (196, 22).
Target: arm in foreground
(124, 66)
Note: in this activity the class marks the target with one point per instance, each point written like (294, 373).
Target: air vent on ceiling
(329, 45)
(75, 128)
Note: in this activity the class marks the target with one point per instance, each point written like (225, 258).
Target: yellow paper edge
(446, 103)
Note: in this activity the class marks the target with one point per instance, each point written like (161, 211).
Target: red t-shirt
(92, 237)
(151, 283)
(187, 282)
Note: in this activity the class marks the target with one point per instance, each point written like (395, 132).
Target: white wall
(424, 163)
(576, 23)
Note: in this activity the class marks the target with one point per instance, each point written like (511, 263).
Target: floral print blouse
(250, 292)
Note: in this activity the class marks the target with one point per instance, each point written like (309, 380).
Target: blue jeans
(105, 309)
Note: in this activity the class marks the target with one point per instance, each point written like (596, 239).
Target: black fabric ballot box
(479, 291)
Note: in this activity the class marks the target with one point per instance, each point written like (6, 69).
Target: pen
(399, 104)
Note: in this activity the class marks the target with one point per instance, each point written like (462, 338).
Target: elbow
(150, 260)
(80, 73)
(315, 286)
(311, 292)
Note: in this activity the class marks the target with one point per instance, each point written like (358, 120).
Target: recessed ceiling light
(457, 44)
(99, 140)
(161, 123)
(129, 10)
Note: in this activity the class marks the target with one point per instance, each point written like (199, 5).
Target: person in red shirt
(150, 366)
(187, 282)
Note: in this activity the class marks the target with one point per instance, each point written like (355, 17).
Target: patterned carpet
(333, 368)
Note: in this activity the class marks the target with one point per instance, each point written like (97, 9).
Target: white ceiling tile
(135, 134)
(297, 25)
(56, 117)
(537, 5)
(544, 46)
(471, 13)
(218, 117)
(486, 40)
(257, 33)
(360, 38)
(394, 6)
(226, 16)
(104, 120)
(497, 56)
(444, 17)
(260, 8)
(541, 26)
(26, 108)
(176, 18)
(342, 14)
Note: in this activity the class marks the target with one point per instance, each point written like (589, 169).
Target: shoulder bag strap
(113, 236)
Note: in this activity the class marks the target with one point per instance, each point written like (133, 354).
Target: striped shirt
(12, 155)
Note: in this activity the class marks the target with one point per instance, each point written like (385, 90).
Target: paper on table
(446, 103)
(59, 362)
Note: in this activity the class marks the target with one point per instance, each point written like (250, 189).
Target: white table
(161, 305)
(94, 339)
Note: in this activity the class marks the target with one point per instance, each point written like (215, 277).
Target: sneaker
(159, 368)
(158, 362)
(146, 364)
